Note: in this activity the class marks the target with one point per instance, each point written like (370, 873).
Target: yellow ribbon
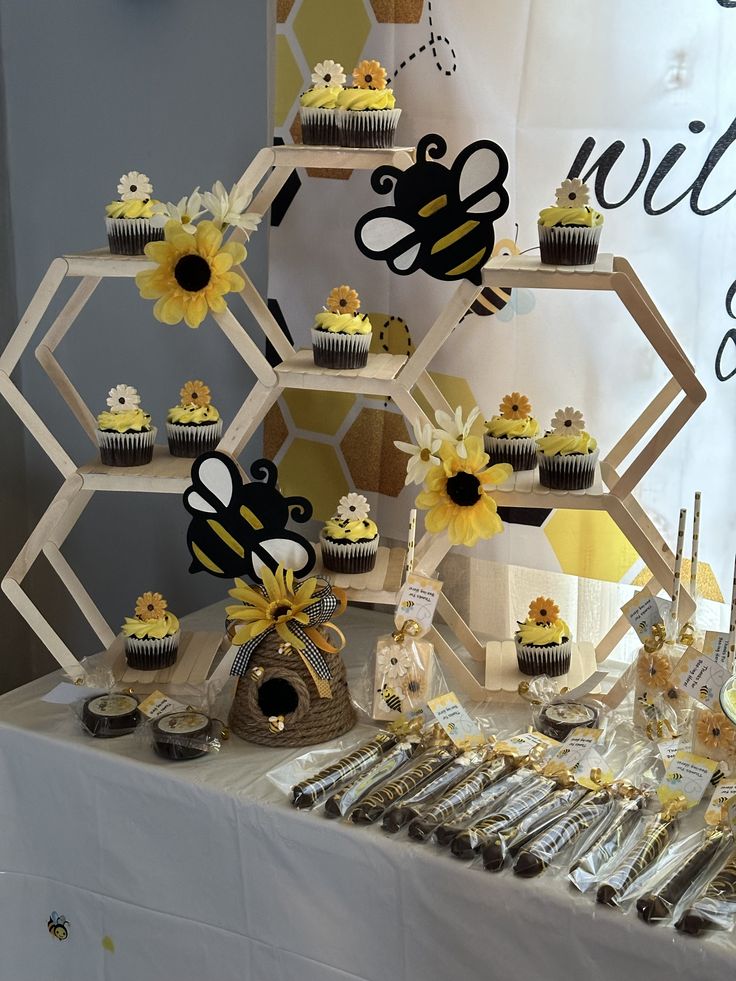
(674, 807)
(597, 780)
(687, 634)
(657, 639)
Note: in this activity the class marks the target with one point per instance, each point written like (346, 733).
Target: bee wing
(291, 554)
(381, 234)
(481, 169)
(214, 479)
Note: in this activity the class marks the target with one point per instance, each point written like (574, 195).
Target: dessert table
(201, 870)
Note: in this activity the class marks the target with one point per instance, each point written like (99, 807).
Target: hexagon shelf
(388, 375)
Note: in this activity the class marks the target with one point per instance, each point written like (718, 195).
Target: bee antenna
(516, 236)
(265, 470)
(432, 145)
(384, 179)
(302, 508)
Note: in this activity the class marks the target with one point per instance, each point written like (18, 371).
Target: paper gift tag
(687, 776)
(723, 793)
(158, 704)
(417, 601)
(715, 645)
(644, 610)
(525, 742)
(456, 722)
(669, 748)
(67, 694)
(592, 761)
(700, 676)
(576, 747)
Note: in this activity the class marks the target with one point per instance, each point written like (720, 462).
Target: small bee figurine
(58, 926)
(238, 528)
(390, 697)
(442, 218)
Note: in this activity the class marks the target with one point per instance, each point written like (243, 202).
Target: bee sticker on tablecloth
(58, 926)
(442, 218)
(238, 528)
(391, 697)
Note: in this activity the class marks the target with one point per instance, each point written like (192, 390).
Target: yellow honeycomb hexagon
(318, 412)
(326, 29)
(590, 544)
(368, 448)
(708, 586)
(289, 81)
(313, 470)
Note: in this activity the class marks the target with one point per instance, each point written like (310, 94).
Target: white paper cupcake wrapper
(124, 444)
(333, 350)
(566, 245)
(192, 440)
(129, 236)
(367, 127)
(520, 452)
(573, 472)
(319, 127)
(350, 557)
(151, 653)
(553, 660)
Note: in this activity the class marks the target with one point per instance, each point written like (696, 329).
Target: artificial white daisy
(568, 422)
(185, 212)
(353, 507)
(423, 455)
(122, 398)
(134, 186)
(452, 429)
(229, 209)
(327, 73)
(393, 662)
(572, 193)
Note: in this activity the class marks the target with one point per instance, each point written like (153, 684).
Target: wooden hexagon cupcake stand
(389, 375)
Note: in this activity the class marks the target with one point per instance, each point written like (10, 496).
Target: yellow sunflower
(343, 299)
(193, 273)
(654, 669)
(543, 610)
(195, 392)
(714, 731)
(369, 75)
(515, 406)
(456, 494)
(150, 606)
(281, 604)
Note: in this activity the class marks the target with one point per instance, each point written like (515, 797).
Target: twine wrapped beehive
(292, 688)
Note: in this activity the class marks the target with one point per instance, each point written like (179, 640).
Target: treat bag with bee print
(404, 676)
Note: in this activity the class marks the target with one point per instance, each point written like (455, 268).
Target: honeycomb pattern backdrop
(438, 56)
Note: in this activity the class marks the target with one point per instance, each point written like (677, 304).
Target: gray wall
(174, 88)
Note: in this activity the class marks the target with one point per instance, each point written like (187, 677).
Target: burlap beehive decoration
(292, 688)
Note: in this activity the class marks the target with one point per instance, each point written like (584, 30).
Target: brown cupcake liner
(191, 440)
(576, 471)
(152, 653)
(130, 236)
(520, 452)
(319, 127)
(568, 245)
(332, 350)
(126, 449)
(350, 558)
(367, 128)
(552, 660)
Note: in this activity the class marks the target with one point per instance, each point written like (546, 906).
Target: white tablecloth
(201, 871)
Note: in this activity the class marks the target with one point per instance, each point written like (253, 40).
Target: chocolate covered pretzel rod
(308, 792)
(658, 832)
(584, 871)
(479, 807)
(341, 802)
(715, 908)
(658, 905)
(535, 856)
(370, 808)
(452, 803)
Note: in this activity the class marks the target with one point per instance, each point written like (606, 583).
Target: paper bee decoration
(442, 218)
(238, 528)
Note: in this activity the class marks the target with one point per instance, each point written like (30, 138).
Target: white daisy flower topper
(568, 422)
(186, 212)
(121, 398)
(328, 73)
(353, 507)
(134, 186)
(572, 193)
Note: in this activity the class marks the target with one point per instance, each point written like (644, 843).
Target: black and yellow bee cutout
(58, 926)
(442, 218)
(238, 528)
(391, 697)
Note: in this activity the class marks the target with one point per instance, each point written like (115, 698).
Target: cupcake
(152, 635)
(510, 437)
(566, 454)
(543, 640)
(366, 112)
(570, 229)
(349, 540)
(132, 221)
(318, 105)
(124, 431)
(341, 336)
(193, 426)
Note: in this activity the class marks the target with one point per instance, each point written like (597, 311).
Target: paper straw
(732, 631)
(412, 540)
(678, 566)
(696, 540)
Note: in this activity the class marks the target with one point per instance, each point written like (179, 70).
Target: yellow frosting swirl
(131, 420)
(350, 531)
(192, 415)
(343, 323)
(321, 98)
(541, 634)
(570, 216)
(358, 99)
(164, 626)
(130, 209)
(512, 428)
(554, 444)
